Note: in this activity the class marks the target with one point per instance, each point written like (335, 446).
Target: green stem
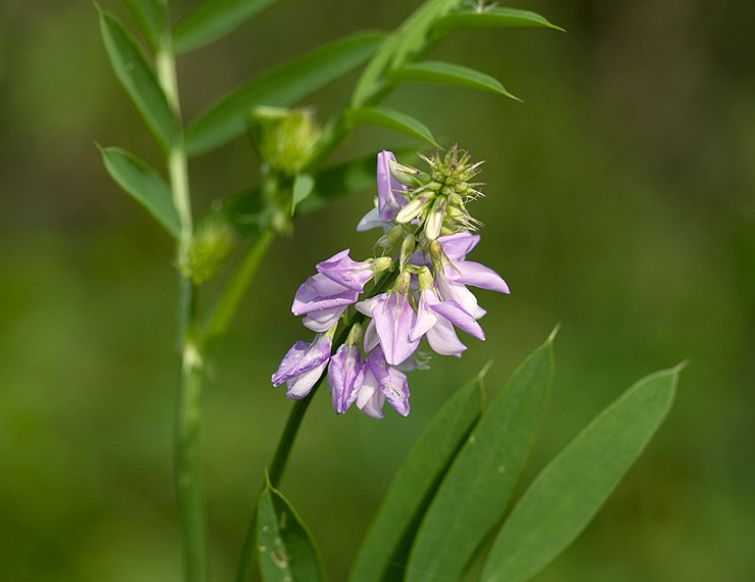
(288, 437)
(233, 292)
(188, 461)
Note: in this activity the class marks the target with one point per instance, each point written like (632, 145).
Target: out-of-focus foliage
(619, 202)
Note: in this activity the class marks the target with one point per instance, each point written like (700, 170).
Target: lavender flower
(421, 293)
(345, 376)
(303, 365)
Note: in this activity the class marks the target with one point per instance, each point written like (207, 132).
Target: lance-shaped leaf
(491, 18)
(151, 15)
(391, 119)
(213, 19)
(383, 553)
(286, 549)
(138, 78)
(408, 39)
(473, 496)
(246, 213)
(569, 491)
(448, 74)
(144, 185)
(279, 87)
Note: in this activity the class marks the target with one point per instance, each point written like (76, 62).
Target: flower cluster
(419, 290)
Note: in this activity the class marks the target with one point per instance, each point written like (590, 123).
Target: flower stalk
(188, 474)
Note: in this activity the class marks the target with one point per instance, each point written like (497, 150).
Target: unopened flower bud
(208, 251)
(435, 219)
(407, 249)
(425, 279)
(413, 209)
(285, 138)
(381, 264)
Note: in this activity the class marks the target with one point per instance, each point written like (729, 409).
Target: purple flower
(382, 382)
(450, 291)
(457, 246)
(433, 323)
(345, 376)
(322, 301)
(394, 320)
(477, 275)
(390, 198)
(345, 271)
(303, 365)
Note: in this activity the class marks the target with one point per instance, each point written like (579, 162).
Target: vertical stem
(189, 488)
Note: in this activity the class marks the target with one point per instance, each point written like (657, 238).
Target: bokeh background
(620, 203)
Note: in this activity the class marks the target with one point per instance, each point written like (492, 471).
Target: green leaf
(151, 16)
(474, 495)
(212, 19)
(569, 491)
(279, 87)
(287, 551)
(491, 18)
(138, 78)
(408, 39)
(385, 547)
(390, 119)
(304, 184)
(448, 74)
(144, 185)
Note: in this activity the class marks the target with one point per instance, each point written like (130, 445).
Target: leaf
(391, 119)
(304, 184)
(569, 491)
(409, 38)
(245, 211)
(473, 496)
(151, 16)
(287, 551)
(138, 79)
(144, 185)
(213, 19)
(279, 87)
(387, 542)
(491, 18)
(448, 74)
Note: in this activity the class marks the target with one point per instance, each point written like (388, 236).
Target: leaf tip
(554, 333)
(680, 367)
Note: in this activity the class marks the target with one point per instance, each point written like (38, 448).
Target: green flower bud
(208, 251)
(286, 139)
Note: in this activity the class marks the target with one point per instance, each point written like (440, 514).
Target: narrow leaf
(213, 19)
(144, 185)
(408, 39)
(491, 18)
(570, 490)
(138, 78)
(448, 74)
(384, 549)
(474, 495)
(151, 16)
(287, 551)
(303, 186)
(391, 119)
(245, 211)
(279, 87)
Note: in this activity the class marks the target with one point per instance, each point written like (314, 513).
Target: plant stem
(189, 488)
(233, 292)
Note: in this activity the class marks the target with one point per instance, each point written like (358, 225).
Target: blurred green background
(620, 203)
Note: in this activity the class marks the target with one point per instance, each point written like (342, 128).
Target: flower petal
(318, 292)
(425, 316)
(345, 271)
(372, 220)
(458, 246)
(443, 339)
(394, 320)
(455, 314)
(300, 386)
(389, 189)
(324, 319)
(477, 275)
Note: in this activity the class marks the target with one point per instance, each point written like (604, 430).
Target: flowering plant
(371, 316)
